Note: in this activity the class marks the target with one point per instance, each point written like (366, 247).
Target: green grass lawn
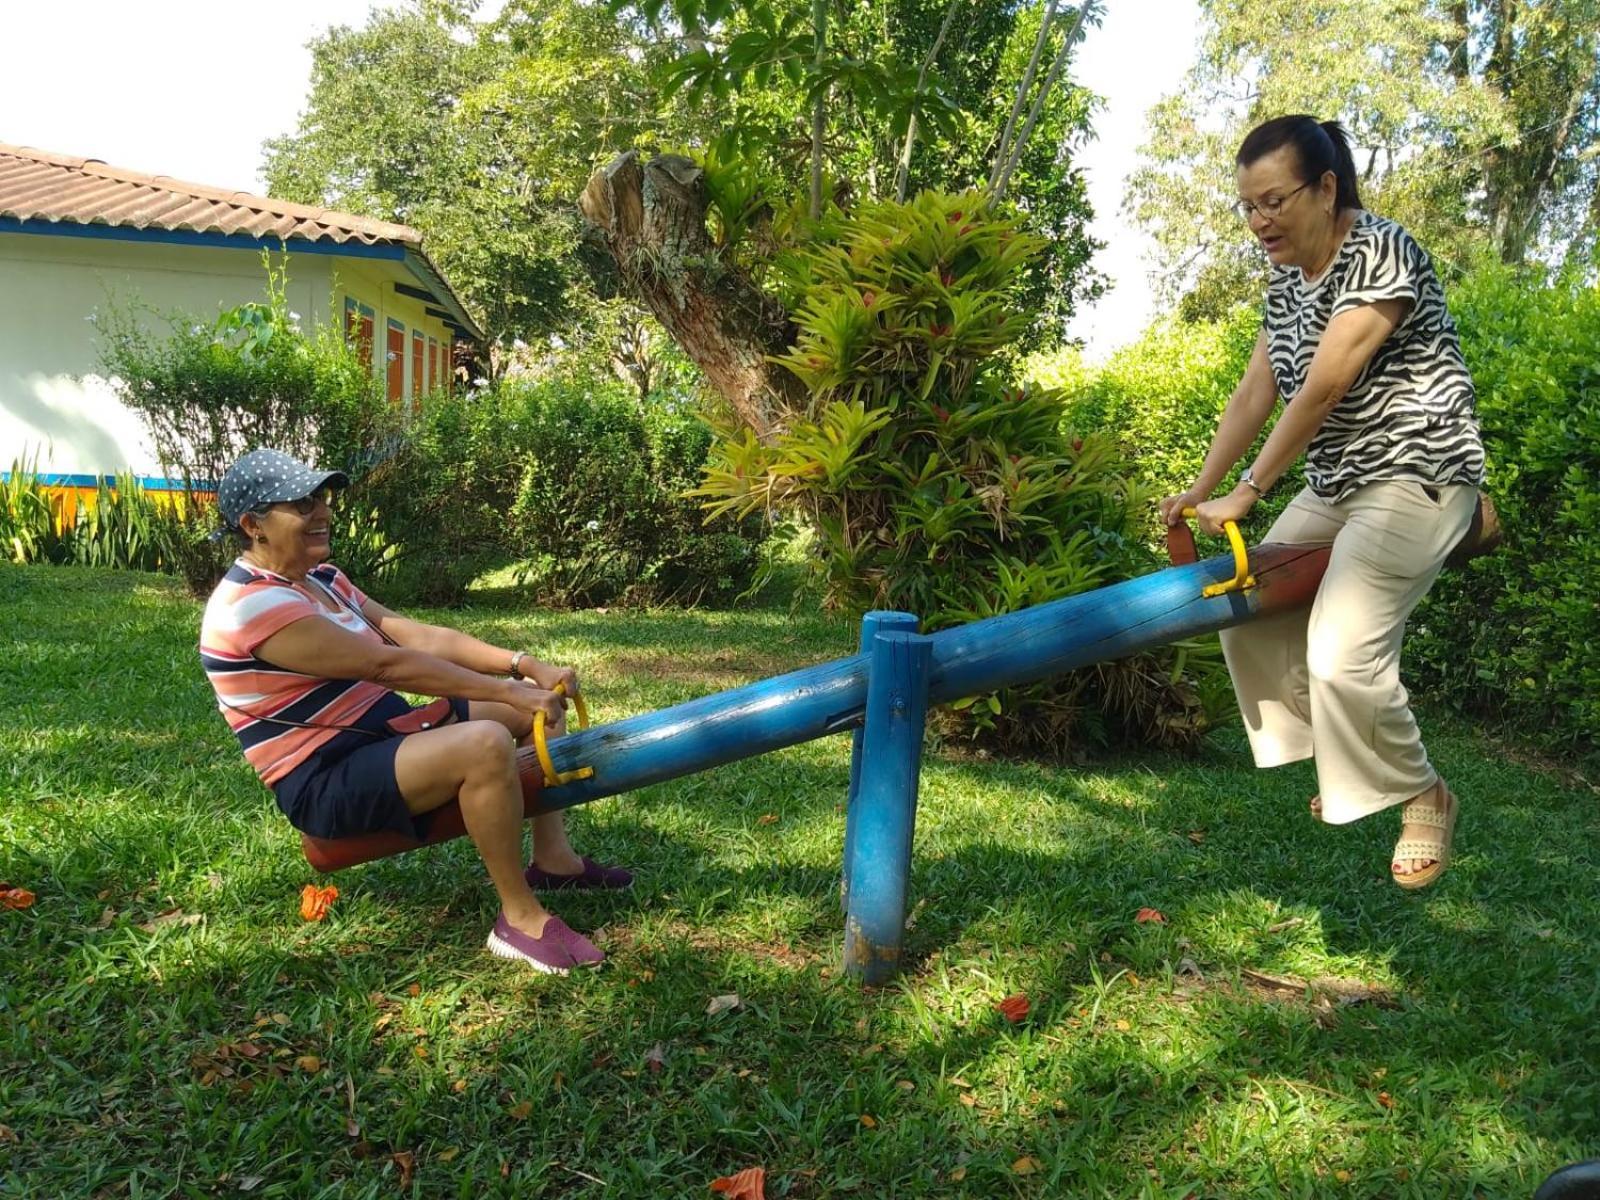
(172, 1027)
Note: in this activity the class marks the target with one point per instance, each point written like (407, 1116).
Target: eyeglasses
(307, 505)
(1269, 208)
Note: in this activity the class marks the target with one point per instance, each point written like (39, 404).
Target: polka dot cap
(265, 477)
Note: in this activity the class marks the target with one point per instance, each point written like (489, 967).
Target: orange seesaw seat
(333, 854)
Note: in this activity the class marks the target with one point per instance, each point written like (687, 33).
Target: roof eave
(433, 279)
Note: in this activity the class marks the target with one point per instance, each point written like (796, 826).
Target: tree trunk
(650, 218)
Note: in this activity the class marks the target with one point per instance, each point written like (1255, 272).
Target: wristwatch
(1247, 477)
(516, 662)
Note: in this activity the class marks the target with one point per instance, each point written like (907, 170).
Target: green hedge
(580, 485)
(1515, 635)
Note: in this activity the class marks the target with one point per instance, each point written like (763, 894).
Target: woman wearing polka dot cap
(307, 668)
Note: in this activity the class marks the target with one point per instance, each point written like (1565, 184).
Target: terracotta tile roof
(36, 185)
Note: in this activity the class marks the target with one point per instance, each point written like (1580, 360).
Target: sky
(165, 88)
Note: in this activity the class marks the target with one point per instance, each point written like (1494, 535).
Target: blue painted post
(891, 758)
(872, 624)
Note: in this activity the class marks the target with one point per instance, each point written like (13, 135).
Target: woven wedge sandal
(1442, 823)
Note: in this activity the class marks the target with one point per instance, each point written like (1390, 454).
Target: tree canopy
(1476, 124)
(481, 134)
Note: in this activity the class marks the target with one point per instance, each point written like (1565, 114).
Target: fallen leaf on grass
(16, 897)
(107, 915)
(870, 1121)
(1342, 1176)
(309, 1063)
(316, 901)
(958, 1175)
(448, 1153)
(1386, 1100)
(1187, 968)
(1014, 1008)
(656, 1059)
(173, 916)
(1280, 926)
(969, 1099)
(414, 990)
(721, 1004)
(1123, 1026)
(351, 1129)
(522, 1111)
(748, 1184)
(1197, 836)
(1026, 1165)
(767, 819)
(250, 1183)
(8, 1134)
(406, 1162)
(459, 1086)
(1146, 915)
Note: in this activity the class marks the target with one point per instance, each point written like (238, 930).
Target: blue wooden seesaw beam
(881, 695)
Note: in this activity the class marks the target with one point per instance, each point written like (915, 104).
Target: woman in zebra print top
(1358, 342)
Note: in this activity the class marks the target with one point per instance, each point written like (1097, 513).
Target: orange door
(397, 364)
(418, 379)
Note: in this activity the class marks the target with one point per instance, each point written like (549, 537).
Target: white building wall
(53, 404)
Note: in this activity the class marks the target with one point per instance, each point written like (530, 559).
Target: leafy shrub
(124, 526)
(935, 484)
(600, 513)
(580, 486)
(1517, 634)
(28, 525)
(583, 484)
(1160, 399)
(431, 514)
(208, 393)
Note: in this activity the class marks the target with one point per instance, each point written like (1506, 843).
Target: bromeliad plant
(935, 483)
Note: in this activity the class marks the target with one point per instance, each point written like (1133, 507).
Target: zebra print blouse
(1411, 413)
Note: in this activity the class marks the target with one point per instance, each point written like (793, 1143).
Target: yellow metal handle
(552, 777)
(1241, 562)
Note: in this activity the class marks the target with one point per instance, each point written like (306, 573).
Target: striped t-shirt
(1411, 413)
(247, 608)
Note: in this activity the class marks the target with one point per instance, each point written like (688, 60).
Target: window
(358, 330)
(433, 363)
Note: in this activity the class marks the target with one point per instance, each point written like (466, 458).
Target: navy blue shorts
(347, 786)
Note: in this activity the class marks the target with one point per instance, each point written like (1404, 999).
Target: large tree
(833, 105)
(478, 134)
(1476, 124)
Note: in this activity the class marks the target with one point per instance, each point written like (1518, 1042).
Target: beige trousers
(1327, 683)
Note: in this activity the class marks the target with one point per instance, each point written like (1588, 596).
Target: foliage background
(1514, 636)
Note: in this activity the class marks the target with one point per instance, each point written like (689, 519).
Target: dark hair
(1321, 146)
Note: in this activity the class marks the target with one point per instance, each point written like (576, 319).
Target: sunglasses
(307, 505)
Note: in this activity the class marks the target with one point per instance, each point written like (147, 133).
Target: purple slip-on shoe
(592, 877)
(555, 951)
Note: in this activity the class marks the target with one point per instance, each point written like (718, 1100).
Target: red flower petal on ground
(1015, 1008)
(748, 1184)
(316, 901)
